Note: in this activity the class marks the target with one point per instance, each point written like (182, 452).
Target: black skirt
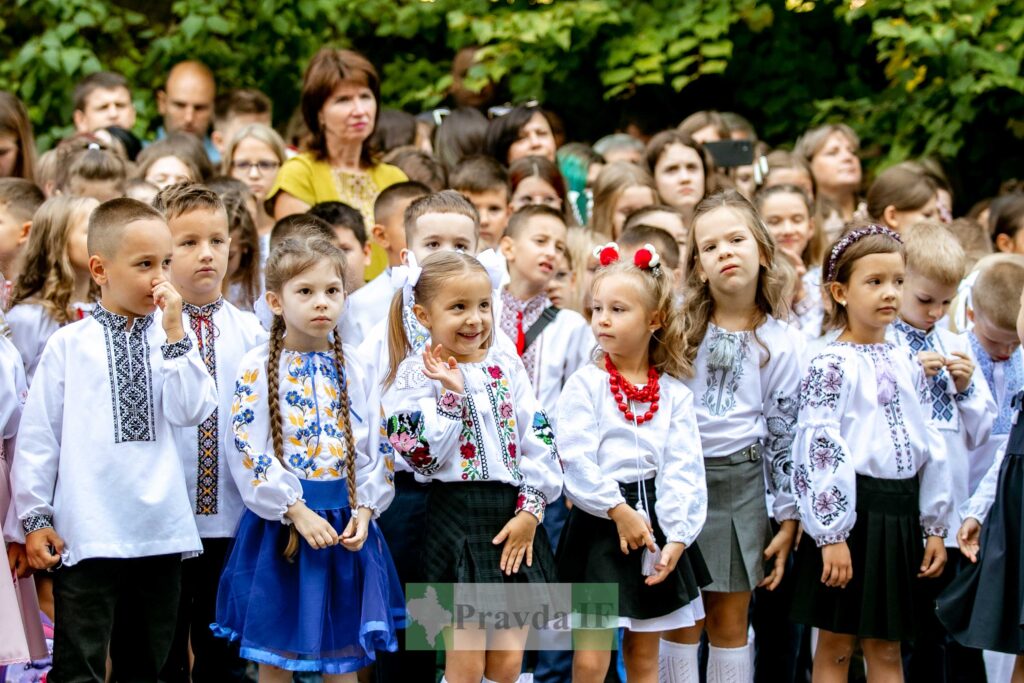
(984, 606)
(589, 552)
(462, 520)
(884, 599)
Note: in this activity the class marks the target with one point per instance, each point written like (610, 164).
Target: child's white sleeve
(13, 389)
(375, 472)
(781, 397)
(978, 505)
(423, 420)
(37, 455)
(266, 486)
(578, 439)
(682, 504)
(540, 468)
(824, 476)
(934, 474)
(977, 410)
(189, 393)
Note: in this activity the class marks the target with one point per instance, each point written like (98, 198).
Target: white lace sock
(729, 665)
(677, 663)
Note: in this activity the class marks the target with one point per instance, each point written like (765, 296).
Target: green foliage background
(939, 78)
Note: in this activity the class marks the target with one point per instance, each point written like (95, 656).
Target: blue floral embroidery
(823, 382)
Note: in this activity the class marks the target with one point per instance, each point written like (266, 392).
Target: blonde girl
(54, 287)
(254, 155)
(746, 377)
(309, 585)
(639, 499)
(464, 416)
(620, 189)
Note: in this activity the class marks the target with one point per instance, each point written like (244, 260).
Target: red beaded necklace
(620, 385)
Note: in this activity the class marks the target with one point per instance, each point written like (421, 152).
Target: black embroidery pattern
(131, 378)
(208, 463)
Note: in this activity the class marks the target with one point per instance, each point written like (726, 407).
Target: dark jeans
(935, 657)
(216, 659)
(404, 531)
(144, 591)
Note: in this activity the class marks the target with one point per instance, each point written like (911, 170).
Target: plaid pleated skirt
(462, 520)
(884, 599)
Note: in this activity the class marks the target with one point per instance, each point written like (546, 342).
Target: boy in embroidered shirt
(995, 302)
(552, 343)
(368, 305)
(98, 486)
(223, 334)
(484, 182)
(19, 200)
(962, 410)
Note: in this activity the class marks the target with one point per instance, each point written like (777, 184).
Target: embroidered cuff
(450, 405)
(36, 522)
(964, 395)
(177, 349)
(832, 538)
(532, 500)
(939, 531)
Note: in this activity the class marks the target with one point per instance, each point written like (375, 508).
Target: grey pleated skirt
(737, 530)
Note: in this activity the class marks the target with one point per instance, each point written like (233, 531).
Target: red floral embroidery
(495, 371)
(468, 451)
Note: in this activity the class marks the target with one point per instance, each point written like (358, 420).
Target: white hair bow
(405, 278)
(494, 264)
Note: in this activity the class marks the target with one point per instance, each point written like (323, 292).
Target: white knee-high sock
(677, 663)
(729, 665)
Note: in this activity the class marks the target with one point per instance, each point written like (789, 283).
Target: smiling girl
(464, 416)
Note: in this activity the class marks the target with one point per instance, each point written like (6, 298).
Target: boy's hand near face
(166, 297)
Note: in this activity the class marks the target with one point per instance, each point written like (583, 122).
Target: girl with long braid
(310, 585)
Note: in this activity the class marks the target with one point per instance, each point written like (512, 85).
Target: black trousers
(403, 527)
(142, 591)
(216, 660)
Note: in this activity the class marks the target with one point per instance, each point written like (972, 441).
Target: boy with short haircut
(235, 109)
(369, 304)
(962, 409)
(97, 483)
(350, 232)
(103, 99)
(551, 342)
(485, 183)
(995, 302)
(19, 200)
(223, 334)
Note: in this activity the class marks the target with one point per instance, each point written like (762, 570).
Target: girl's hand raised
(317, 531)
(447, 373)
(517, 535)
(670, 555)
(969, 539)
(354, 535)
(635, 532)
(838, 567)
(780, 547)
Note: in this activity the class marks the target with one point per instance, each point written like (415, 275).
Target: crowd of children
(240, 413)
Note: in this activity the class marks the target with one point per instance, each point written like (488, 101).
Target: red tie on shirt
(520, 335)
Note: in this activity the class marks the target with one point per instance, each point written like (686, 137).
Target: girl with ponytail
(310, 585)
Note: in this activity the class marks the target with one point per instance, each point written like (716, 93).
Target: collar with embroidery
(205, 311)
(115, 321)
(537, 303)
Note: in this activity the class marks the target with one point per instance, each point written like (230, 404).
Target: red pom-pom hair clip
(607, 254)
(646, 258)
